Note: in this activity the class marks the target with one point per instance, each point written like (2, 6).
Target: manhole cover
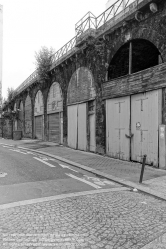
(2, 174)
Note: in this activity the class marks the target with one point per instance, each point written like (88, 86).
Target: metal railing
(27, 82)
(64, 50)
(89, 21)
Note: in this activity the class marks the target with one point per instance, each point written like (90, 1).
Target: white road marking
(19, 151)
(7, 144)
(99, 181)
(6, 147)
(28, 152)
(44, 162)
(64, 166)
(83, 180)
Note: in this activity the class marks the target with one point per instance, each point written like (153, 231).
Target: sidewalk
(126, 173)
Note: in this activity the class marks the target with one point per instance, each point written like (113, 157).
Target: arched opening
(55, 114)
(28, 117)
(81, 110)
(39, 116)
(20, 117)
(132, 57)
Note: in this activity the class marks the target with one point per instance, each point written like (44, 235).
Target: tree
(11, 93)
(43, 62)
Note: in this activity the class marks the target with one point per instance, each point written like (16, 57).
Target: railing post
(143, 167)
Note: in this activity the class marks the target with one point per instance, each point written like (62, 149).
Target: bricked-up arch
(39, 118)
(55, 113)
(144, 55)
(28, 117)
(81, 86)
(20, 117)
(39, 108)
(81, 110)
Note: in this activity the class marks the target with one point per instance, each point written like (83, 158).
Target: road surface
(26, 175)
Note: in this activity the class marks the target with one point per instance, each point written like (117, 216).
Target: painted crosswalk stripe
(44, 162)
(19, 151)
(83, 180)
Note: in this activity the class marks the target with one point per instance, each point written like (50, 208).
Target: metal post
(143, 167)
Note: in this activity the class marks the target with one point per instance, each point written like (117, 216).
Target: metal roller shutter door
(38, 127)
(54, 127)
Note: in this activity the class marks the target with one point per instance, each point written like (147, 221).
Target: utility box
(162, 146)
(17, 135)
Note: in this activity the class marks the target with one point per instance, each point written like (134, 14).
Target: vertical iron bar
(130, 57)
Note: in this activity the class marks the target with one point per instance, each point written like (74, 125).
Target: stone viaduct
(106, 87)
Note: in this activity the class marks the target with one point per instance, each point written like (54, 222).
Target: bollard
(143, 167)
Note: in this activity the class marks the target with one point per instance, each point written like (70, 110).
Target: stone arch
(39, 115)
(144, 55)
(28, 117)
(81, 86)
(55, 113)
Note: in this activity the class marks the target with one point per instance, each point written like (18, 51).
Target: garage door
(72, 126)
(77, 123)
(117, 127)
(39, 127)
(145, 120)
(54, 127)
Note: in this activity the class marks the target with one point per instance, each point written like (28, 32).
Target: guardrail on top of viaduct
(88, 22)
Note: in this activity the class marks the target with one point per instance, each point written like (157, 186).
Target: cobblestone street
(112, 220)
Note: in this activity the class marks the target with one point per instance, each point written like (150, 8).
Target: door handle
(129, 136)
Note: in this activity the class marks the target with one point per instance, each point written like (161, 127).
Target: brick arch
(39, 104)
(54, 98)
(81, 86)
(144, 55)
(150, 35)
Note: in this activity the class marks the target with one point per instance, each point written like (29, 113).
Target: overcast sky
(30, 24)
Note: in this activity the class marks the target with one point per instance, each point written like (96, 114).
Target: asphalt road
(26, 175)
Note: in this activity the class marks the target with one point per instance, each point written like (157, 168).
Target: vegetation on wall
(43, 62)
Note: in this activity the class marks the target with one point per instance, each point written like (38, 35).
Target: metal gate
(39, 127)
(54, 127)
(131, 134)
(117, 127)
(77, 126)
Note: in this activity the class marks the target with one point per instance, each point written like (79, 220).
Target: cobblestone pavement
(112, 220)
